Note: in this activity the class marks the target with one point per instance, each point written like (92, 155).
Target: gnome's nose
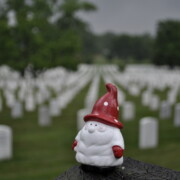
(91, 129)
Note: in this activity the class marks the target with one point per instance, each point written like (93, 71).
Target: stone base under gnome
(130, 170)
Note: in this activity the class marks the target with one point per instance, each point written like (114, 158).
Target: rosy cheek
(101, 129)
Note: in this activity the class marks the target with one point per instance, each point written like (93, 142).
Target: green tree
(26, 37)
(125, 46)
(36, 40)
(167, 43)
(72, 38)
(105, 44)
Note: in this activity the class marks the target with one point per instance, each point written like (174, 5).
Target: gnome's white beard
(95, 148)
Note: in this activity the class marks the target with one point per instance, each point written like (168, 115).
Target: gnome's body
(100, 142)
(96, 143)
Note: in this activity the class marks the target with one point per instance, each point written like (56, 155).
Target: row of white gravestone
(157, 77)
(57, 104)
(17, 109)
(165, 110)
(153, 101)
(36, 91)
(128, 113)
(92, 94)
(45, 112)
(52, 110)
(65, 98)
(134, 79)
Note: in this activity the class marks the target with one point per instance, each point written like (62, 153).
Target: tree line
(161, 49)
(44, 33)
(167, 43)
(48, 33)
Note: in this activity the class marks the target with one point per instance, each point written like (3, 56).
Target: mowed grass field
(43, 153)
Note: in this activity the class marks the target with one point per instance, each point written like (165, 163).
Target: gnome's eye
(101, 128)
(95, 124)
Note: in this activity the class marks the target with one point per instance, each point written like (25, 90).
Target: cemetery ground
(42, 153)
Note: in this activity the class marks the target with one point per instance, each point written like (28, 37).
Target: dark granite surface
(130, 170)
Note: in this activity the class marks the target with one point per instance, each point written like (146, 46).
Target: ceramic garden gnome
(100, 142)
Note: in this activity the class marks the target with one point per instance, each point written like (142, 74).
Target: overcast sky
(131, 16)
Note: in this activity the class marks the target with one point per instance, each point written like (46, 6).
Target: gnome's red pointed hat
(106, 109)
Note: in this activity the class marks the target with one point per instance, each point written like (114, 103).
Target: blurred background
(55, 58)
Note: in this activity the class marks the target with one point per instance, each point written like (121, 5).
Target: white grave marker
(154, 103)
(5, 142)
(177, 115)
(29, 103)
(10, 100)
(0, 104)
(44, 116)
(121, 97)
(134, 90)
(165, 110)
(54, 109)
(146, 96)
(148, 133)
(39, 97)
(128, 112)
(17, 111)
(171, 97)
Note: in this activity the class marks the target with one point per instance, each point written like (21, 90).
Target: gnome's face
(96, 133)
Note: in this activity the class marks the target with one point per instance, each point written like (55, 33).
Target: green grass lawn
(42, 153)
